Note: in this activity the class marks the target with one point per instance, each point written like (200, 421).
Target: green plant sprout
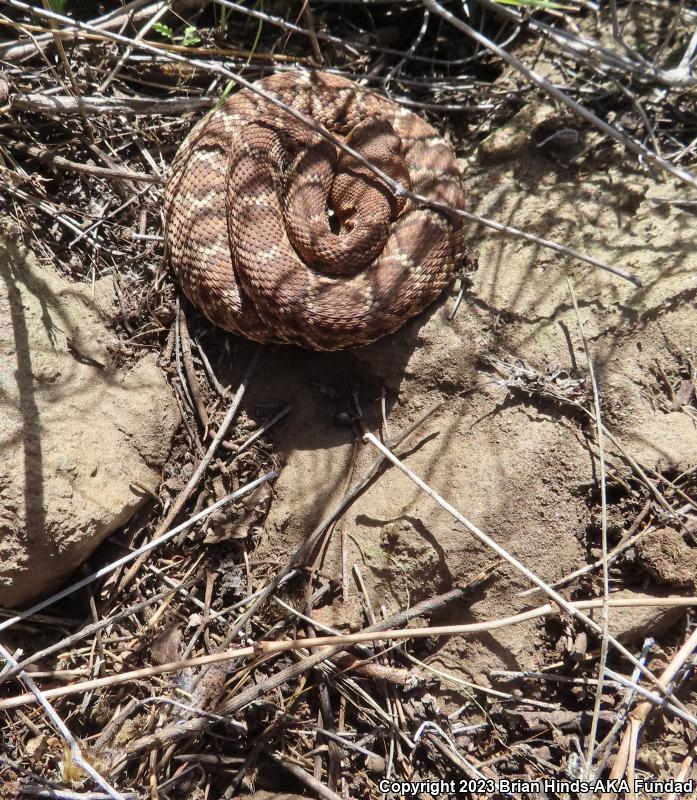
(189, 38)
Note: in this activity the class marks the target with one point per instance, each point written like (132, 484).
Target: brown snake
(276, 234)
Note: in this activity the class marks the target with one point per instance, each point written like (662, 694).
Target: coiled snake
(276, 234)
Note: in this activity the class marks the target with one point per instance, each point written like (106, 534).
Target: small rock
(666, 556)
(631, 195)
(516, 136)
(580, 647)
(375, 764)
(36, 747)
(165, 648)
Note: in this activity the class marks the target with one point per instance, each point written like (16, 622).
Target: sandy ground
(525, 471)
(522, 465)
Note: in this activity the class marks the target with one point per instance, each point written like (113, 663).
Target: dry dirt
(521, 465)
(523, 468)
(525, 472)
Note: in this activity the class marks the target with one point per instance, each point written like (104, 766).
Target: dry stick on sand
(557, 94)
(606, 580)
(173, 732)
(95, 627)
(606, 746)
(624, 760)
(637, 469)
(187, 358)
(398, 189)
(628, 539)
(62, 729)
(512, 560)
(375, 633)
(576, 45)
(201, 469)
(151, 544)
(196, 726)
(302, 553)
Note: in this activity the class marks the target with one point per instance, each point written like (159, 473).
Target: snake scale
(276, 234)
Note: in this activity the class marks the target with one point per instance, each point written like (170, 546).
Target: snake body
(276, 234)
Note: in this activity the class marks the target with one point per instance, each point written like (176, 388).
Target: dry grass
(175, 671)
